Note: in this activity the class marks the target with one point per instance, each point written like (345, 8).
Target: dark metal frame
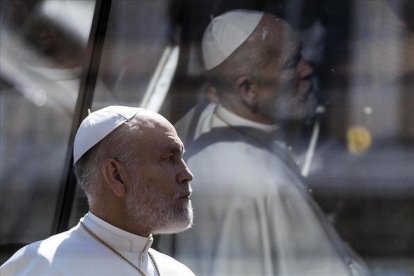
(84, 102)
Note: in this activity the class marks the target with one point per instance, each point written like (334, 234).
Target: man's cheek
(287, 75)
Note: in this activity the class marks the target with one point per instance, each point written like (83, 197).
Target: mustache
(184, 190)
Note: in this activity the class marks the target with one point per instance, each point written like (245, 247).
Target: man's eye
(169, 158)
(293, 62)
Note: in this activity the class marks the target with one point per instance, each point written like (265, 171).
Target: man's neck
(244, 111)
(121, 221)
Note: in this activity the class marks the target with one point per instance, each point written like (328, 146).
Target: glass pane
(136, 39)
(354, 151)
(42, 47)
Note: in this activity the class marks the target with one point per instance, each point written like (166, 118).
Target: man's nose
(305, 69)
(185, 175)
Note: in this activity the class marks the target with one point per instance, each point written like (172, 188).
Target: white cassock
(75, 252)
(253, 215)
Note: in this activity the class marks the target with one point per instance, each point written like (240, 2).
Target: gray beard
(159, 213)
(287, 108)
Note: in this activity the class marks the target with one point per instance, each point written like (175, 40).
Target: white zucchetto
(98, 125)
(226, 33)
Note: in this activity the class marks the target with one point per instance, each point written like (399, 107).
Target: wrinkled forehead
(155, 131)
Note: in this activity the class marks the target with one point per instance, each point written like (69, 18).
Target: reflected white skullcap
(98, 125)
(226, 33)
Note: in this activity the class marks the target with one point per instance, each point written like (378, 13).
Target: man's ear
(247, 88)
(114, 172)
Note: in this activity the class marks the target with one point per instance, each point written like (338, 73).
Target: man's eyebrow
(175, 147)
(294, 57)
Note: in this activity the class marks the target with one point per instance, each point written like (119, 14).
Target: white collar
(119, 239)
(235, 120)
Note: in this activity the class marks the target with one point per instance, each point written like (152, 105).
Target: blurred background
(59, 58)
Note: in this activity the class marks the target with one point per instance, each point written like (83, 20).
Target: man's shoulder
(39, 256)
(25, 261)
(44, 247)
(168, 265)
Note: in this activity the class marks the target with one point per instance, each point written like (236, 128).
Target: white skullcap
(226, 33)
(98, 125)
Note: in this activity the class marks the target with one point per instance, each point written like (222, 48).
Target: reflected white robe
(75, 252)
(253, 215)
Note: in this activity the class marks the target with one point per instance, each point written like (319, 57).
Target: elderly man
(254, 214)
(129, 163)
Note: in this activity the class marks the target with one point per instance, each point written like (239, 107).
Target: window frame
(84, 101)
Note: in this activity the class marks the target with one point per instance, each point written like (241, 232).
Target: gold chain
(93, 235)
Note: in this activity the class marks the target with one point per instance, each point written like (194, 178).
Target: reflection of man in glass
(253, 213)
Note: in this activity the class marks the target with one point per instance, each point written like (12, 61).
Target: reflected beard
(146, 206)
(291, 107)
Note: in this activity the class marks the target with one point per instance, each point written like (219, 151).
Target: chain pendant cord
(87, 230)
